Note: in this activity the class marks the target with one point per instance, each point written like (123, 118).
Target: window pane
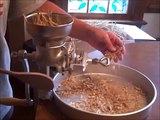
(77, 6)
(118, 6)
(98, 6)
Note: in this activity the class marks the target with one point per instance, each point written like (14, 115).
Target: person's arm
(98, 38)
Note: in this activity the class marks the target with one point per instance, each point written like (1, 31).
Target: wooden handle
(6, 71)
(13, 102)
(34, 79)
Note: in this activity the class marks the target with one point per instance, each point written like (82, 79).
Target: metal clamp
(103, 61)
(23, 55)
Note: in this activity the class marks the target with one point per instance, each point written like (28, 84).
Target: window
(98, 6)
(128, 10)
(77, 6)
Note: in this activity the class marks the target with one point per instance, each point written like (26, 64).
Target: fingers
(115, 56)
(108, 43)
(115, 40)
(118, 45)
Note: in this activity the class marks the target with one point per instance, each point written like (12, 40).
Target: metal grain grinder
(53, 48)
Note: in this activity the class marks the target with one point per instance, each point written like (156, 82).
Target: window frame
(98, 15)
(136, 9)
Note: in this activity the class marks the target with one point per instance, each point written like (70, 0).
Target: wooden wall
(153, 7)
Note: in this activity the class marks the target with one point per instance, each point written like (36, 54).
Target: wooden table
(142, 56)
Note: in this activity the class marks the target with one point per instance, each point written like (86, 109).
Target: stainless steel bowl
(51, 33)
(132, 75)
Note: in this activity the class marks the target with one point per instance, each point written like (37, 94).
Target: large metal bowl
(132, 75)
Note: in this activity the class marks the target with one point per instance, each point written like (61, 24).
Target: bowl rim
(115, 115)
(59, 14)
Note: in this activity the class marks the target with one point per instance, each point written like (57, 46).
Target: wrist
(90, 33)
(82, 30)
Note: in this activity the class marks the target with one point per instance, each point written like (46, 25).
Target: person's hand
(108, 43)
